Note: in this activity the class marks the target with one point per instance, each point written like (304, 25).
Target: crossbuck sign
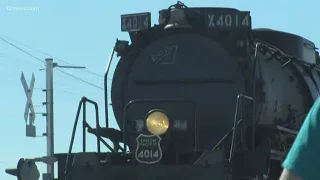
(29, 104)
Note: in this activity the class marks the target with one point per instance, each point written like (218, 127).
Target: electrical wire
(24, 51)
(55, 89)
(39, 51)
(21, 50)
(6, 56)
(95, 98)
(75, 77)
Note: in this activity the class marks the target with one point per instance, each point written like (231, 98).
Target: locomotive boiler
(200, 95)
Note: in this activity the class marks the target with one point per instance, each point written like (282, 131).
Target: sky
(82, 33)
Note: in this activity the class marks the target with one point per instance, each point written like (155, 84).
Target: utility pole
(30, 114)
(49, 105)
(50, 65)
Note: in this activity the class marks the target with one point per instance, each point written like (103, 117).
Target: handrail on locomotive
(85, 126)
(118, 46)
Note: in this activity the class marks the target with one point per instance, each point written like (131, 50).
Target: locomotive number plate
(228, 20)
(148, 149)
(135, 22)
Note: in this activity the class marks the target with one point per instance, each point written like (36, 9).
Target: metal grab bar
(235, 123)
(82, 103)
(225, 136)
(86, 125)
(106, 87)
(220, 142)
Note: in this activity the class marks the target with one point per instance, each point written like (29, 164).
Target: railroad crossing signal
(30, 128)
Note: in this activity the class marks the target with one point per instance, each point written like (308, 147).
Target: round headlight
(157, 122)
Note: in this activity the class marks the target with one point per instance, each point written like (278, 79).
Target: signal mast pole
(50, 65)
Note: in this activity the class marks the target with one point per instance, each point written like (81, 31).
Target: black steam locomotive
(201, 95)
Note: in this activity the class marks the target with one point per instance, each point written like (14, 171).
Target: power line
(86, 70)
(80, 79)
(6, 56)
(93, 97)
(43, 62)
(39, 51)
(21, 50)
(56, 89)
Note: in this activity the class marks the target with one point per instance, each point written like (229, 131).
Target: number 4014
(132, 22)
(227, 20)
(148, 154)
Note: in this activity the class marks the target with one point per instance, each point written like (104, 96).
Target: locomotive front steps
(113, 134)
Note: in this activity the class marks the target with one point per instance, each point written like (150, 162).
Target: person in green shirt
(303, 160)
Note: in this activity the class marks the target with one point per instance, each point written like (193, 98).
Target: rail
(236, 121)
(83, 103)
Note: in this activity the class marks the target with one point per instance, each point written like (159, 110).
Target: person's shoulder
(287, 175)
(316, 104)
(314, 113)
(304, 147)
